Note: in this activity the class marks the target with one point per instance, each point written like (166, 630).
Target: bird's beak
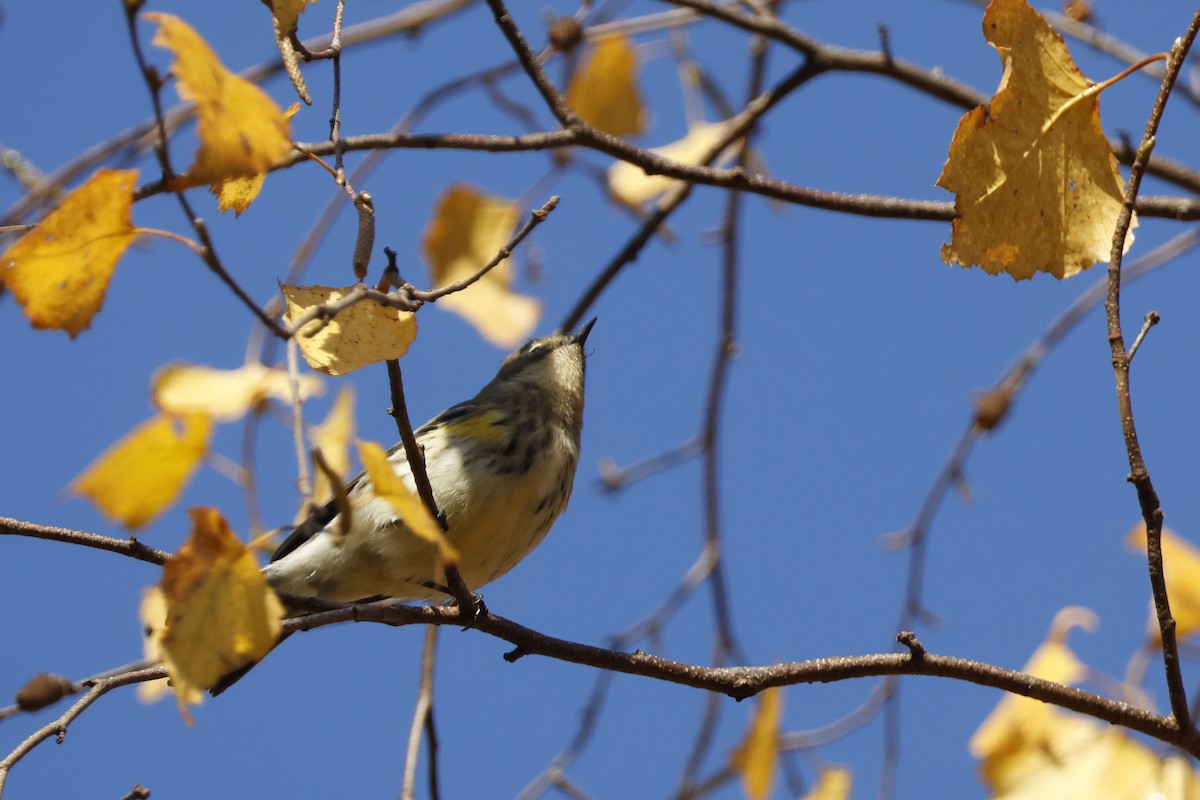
(581, 335)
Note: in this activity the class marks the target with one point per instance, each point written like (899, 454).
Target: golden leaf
(223, 394)
(630, 184)
(1181, 568)
(242, 132)
(1036, 183)
(604, 92)
(153, 614)
(365, 333)
(1080, 757)
(755, 758)
(466, 232)
(387, 485)
(139, 476)
(1016, 735)
(833, 783)
(221, 614)
(237, 193)
(288, 12)
(333, 436)
(59, 271)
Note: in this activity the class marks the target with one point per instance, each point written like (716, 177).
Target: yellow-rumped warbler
(501, 467)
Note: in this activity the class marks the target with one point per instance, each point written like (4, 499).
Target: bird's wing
(452, 413)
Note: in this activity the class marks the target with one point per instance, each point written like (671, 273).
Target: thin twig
(415, 454)
(1152, 319)
(208, 252)
(614, 478)
(588, 720)
(58, 728)
(536, 217)
(409, 298)
(421, 711)
(1011, 382)
(404, 22)
(299, 440)
(1138, 474)
(126, 547)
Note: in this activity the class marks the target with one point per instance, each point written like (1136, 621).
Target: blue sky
(858, 353)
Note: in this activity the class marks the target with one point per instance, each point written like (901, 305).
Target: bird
(501, 466)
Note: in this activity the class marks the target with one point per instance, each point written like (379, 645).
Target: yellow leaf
(237, 193)
(1084, 758)
(834, 783)
(1036, 182)
(223, 394)
(387, 485)
(604, 92)
(1015, 736)
(756, 757)
(631, 185)
(365, 333)
(466, 232)
(1181, 564)
(288, 12)
(221, 615)
(153, 614)
(242, 132)
(59, 271)
(139, 476)
(333, 436)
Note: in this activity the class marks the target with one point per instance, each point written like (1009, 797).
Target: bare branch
(58, 728)
(1138, 475)
(126, 547)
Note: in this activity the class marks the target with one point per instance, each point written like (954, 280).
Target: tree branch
(1139, 476)
(127, 547)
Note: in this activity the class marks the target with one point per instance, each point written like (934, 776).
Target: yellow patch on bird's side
(482, 427)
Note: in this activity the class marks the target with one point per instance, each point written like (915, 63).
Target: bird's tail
(233, 677)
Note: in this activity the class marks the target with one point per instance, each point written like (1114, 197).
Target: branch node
(910, 640)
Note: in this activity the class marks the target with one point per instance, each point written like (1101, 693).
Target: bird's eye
(531, 347)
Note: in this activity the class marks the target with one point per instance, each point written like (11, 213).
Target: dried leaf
(139, 476)
(757, 755)
(604, 92)
(224, 394)
(153, 613)
(237, 193)
(1037, 184)
(365, 333)
(387, 485)
(833, 783)
(221, 614)
(242, 132)
(466, 232)
(631, 185)
(1080, 757)
(59, 271)
(1019, 732)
